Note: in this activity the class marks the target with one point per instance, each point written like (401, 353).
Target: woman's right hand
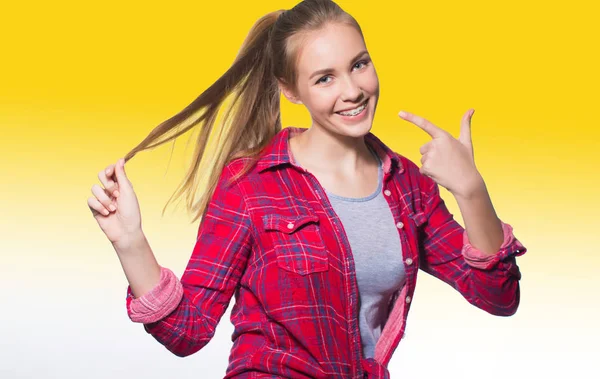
(122, 222)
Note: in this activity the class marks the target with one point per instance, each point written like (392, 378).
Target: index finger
(422, 123)
(110, 169)
(109, 184)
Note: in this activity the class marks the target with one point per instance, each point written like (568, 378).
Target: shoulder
(241, 176)
(236, 167)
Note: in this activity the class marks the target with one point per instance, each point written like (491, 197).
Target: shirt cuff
(478, 259)
(159, 302)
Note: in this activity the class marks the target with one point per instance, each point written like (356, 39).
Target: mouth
(356, 111)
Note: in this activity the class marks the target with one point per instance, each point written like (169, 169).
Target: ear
(288, 93)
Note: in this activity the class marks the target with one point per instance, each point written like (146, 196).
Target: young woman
(320, 232)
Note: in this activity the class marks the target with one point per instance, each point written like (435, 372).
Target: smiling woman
(319, 232)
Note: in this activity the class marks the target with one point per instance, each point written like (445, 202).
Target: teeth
(355, 111)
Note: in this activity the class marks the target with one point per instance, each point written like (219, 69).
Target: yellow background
(82, 83)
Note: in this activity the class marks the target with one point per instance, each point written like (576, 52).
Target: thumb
(122, 179)
(465, 130)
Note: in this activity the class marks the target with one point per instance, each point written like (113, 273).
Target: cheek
(371, 83)
(322, 101)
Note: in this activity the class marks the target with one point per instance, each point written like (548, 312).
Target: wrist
(473, 187)
(132, 242)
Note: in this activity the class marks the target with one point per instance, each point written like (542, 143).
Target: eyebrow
(328, 70)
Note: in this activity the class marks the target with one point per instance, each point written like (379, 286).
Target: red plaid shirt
(273, 240)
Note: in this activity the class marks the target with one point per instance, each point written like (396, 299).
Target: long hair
(253, 116)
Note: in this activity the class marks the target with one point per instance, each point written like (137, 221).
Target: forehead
(330, 47)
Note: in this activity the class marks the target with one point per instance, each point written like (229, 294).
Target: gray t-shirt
(377, 252)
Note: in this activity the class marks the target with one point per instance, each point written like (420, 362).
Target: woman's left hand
(450, 162)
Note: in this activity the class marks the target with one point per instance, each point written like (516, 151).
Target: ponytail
(250, 121)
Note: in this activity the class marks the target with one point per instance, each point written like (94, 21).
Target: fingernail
(112, 207)
(116, 193)
(107, 171)
(105, 212)
(402, 114)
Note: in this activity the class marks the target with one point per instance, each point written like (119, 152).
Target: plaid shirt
(273, 240)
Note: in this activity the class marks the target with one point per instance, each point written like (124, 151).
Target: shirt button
(399, 225)
(387, 192)
(408, 261)
(408, 299)
(290, 226)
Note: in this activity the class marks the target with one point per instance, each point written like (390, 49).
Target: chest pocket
(297, 242)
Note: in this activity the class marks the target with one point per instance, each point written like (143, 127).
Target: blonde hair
(253, 117)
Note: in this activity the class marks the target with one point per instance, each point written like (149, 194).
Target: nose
(351, 91)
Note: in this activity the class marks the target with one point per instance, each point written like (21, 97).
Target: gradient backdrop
(83, 83)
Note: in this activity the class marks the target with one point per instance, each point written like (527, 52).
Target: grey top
(377, 252)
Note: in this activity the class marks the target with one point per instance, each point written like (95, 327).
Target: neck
(318, 149)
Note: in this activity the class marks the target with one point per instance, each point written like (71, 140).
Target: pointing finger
(422, 123)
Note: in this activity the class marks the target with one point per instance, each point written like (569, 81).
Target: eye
(363, 62)
(321, 80)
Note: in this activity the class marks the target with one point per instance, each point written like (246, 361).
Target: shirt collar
(277, 151)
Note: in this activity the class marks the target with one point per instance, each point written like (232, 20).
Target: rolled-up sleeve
(478, 259)
(158, 302)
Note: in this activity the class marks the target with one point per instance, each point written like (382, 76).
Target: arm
(486, 235)
(488, 281)
(183, 315)
(139, 264)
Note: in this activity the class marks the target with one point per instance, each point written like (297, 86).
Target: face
(337, 81)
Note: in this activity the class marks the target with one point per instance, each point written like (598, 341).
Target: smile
(355, 111)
